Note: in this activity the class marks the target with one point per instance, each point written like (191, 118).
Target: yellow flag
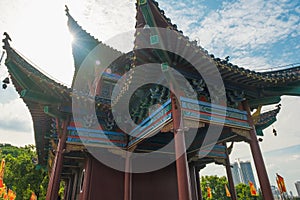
(227, 191)
(2, 166)
(5, 196)
(252, 189)
(1, 183)
(11, 195)
(2, 190)
(33, 196)
(280, 183)
(209, 194)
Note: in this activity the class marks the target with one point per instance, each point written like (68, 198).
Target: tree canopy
(22, 173)
(217, 185)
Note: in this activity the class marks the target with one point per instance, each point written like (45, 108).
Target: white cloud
(16, 138)
(184, 15)
(15, 116)
(104, 18)
(246, 25)
(252, 62)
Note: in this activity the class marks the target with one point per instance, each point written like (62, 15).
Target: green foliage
(243, 192)
(218, 189)
(21, 172)
(217, 185)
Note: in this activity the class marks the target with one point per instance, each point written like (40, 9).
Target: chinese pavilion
(69, 139)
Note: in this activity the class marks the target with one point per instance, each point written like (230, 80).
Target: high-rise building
(242, 173)
(275, 192)
(236, 173)
(247, 172)
(297, 184)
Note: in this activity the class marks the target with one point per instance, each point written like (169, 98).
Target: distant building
(275, 192)
(297, 184)
(242, 173)
(236, 173)
(247, 173)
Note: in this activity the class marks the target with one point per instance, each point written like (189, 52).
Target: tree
(243, 192)
(217, 185)
(22, 174)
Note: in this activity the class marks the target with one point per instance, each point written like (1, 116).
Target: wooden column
(68, 183)
(127, 178)
(184, 192)
(53, 185)
(194, 189)
(87, 177)
(258, 158)
(75, 183)
(198, 183)
(229, 175)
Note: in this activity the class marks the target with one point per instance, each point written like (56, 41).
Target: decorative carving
(89, 121)
(256, 115)
(199, 85)
(167, 128)
(73, 147)
(235, 97)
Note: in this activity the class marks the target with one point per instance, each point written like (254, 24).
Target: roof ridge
(70, 17)
(223, 64)
(26, 67)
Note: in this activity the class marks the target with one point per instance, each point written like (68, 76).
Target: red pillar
(194, 188)
(258, 158)
(75, 182)
(184, 192)
(68, 183)
(229, 176)
(53, 186)
(127, 178)
(198, 183)
(87, 176)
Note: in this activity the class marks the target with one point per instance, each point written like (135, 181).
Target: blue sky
(255, 34)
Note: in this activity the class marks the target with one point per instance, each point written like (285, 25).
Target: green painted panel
(264, 101)
(154, 39)
(287, 90)
(39, 97)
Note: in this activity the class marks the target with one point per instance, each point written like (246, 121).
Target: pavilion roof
(37, 90)
(260, 88)
(30, 82)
